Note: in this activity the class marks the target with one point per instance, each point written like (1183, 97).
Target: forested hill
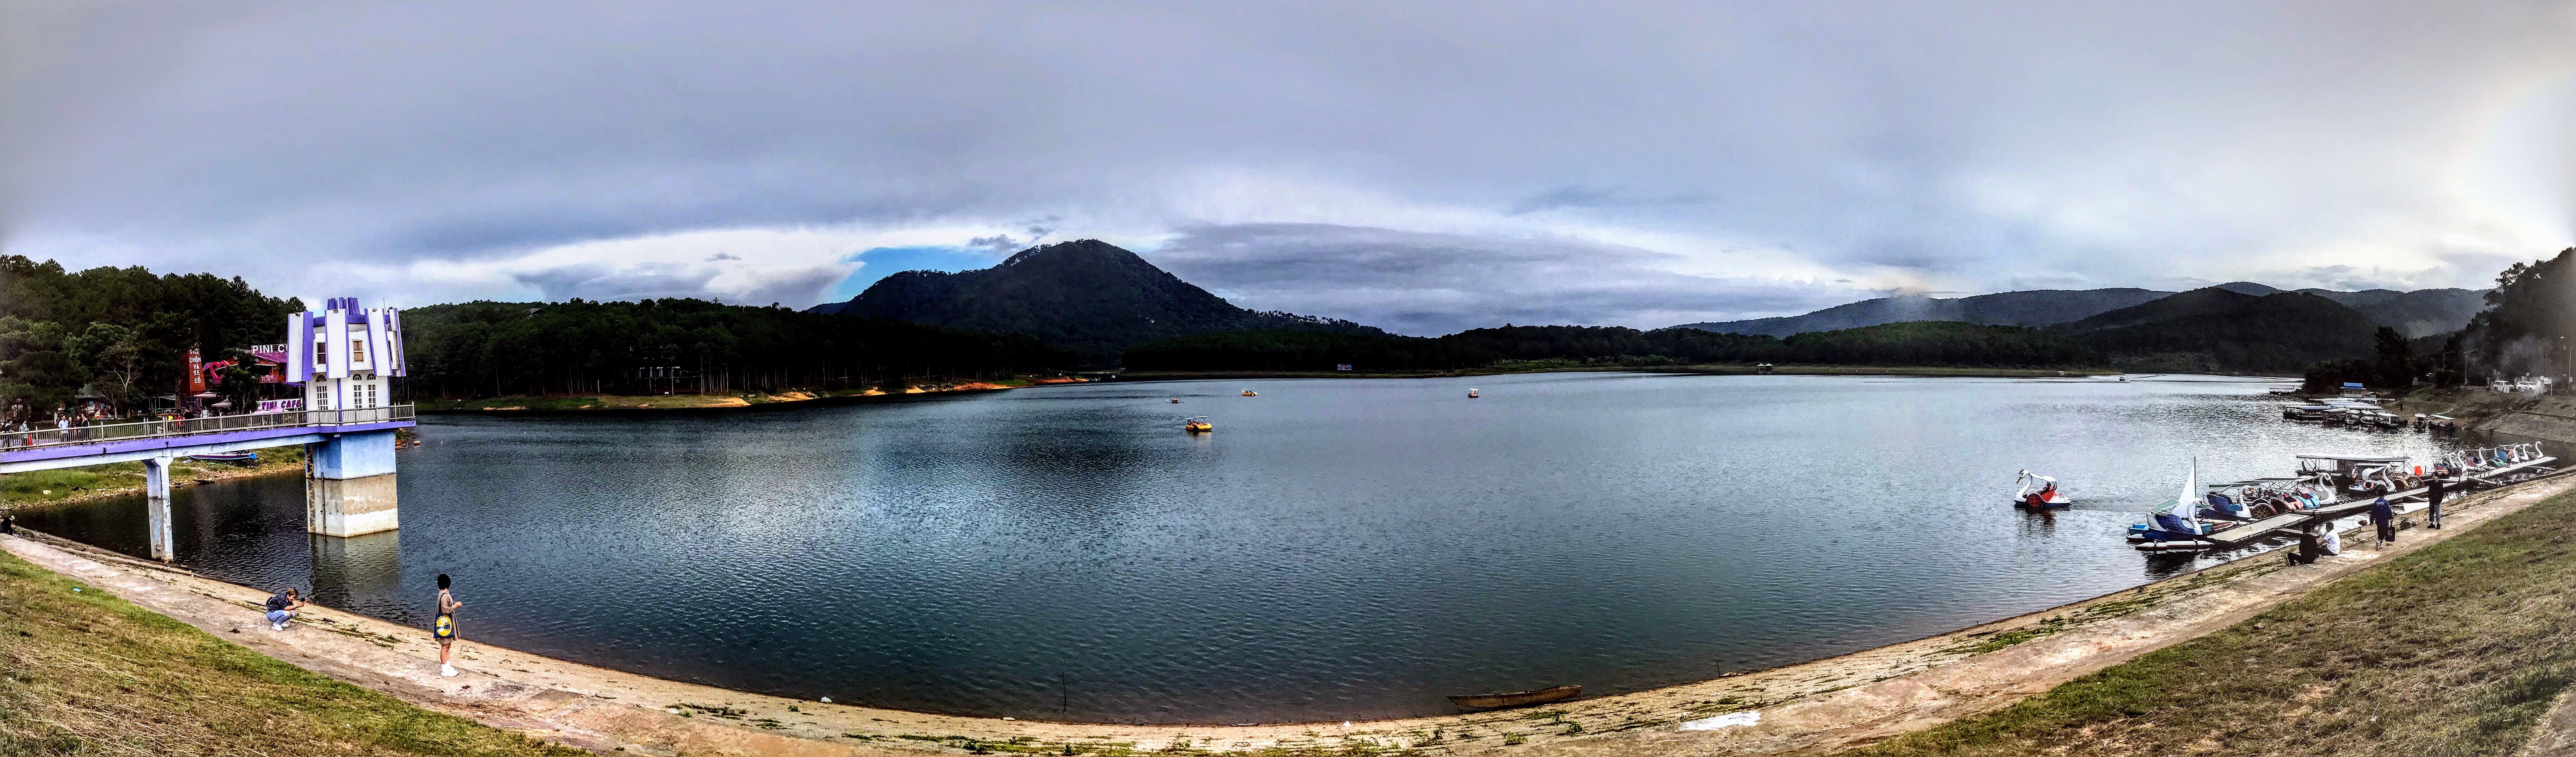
(1930, 343)
(123, 332)
(2029, 308)
(1088, 295)
(2219, 330)
(2415, 314)
(482, 349)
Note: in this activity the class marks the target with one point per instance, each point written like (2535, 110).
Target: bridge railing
(110, 432)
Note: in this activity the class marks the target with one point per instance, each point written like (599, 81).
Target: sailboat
(2175, 525)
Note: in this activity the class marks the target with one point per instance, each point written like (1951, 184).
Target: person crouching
(282, 608)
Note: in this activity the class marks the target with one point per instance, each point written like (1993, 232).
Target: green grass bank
(2455, 649)
(85, 673)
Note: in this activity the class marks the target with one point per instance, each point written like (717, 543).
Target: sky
(1424, 166)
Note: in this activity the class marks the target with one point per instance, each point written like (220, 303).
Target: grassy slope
(86, 673)
(2455, 649)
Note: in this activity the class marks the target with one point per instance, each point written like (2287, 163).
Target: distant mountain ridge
(2038, 307)
(2224, 329)
(2418, 313)
(1087, 295)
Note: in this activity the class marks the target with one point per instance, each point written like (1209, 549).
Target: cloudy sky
(1422, 166)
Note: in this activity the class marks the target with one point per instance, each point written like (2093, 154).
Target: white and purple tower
(344, 357)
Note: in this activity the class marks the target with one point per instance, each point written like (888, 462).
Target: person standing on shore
(2385, 517)
(444, 627)
(2433, 494)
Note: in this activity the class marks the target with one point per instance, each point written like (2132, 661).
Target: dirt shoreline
(1825, 704)
(1714, 369)
(610, 403)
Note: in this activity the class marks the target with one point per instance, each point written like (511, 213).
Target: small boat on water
(1251, 393)
(227, 457)
(2045, 497)
(1176, 400)
(2175, 525)
(1517, 698)
(1471, 394)
(1196, 425)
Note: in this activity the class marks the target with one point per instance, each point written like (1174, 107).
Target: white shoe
(447, 670)
(277, 626)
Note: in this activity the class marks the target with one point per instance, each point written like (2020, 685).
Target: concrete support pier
(349, 484)
(156, 507)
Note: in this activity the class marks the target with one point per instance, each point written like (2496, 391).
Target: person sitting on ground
(2331, 543)
(2307, 553)
(281, 608)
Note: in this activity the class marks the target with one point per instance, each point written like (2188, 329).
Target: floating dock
(2291, 522)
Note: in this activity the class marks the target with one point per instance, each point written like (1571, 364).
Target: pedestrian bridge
(349, 459)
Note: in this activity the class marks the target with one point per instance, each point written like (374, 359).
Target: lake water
(1337, 549)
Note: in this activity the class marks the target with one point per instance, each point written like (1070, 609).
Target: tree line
(121, 336)
(2526, 330)
(1926, 343)
(123, 333)
(485, 349)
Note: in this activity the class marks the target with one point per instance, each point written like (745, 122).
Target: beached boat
(2039, 493)
(1197, 425)
(1517, 698)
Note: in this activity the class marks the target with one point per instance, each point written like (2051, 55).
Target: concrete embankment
(1822, 705)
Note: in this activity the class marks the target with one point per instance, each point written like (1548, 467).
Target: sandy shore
(1811, 707)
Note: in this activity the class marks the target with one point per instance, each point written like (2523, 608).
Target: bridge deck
(22, 451)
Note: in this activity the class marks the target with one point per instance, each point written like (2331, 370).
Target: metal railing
(46, 437)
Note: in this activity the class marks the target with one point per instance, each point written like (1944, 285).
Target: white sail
(2187, 504)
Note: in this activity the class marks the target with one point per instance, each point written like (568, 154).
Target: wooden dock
(2290, 522)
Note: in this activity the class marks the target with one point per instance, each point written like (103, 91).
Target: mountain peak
(2248, 287)
(1085, 294)
(1075, 250)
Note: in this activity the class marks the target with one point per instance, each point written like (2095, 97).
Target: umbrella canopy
(205, 395)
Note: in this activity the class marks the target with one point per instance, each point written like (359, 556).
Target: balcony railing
(46, 437)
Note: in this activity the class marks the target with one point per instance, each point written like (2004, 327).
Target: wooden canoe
(1517, 698)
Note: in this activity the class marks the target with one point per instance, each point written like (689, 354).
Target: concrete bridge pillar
(349, 484)
(156, 507)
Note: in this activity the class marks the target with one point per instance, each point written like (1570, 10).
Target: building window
(321, 354)
(322, 397)
(357, 351)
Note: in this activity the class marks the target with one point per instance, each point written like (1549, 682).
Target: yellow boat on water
(1251, 393)
(1196, 425)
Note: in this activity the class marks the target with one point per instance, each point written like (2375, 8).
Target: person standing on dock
(2433, 494)
(2385, 517)
(445, 626)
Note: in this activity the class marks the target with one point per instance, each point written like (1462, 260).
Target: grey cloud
(722, 256)
(601, 282)
(1424, 283)
(798, 287)
(1980, 142)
